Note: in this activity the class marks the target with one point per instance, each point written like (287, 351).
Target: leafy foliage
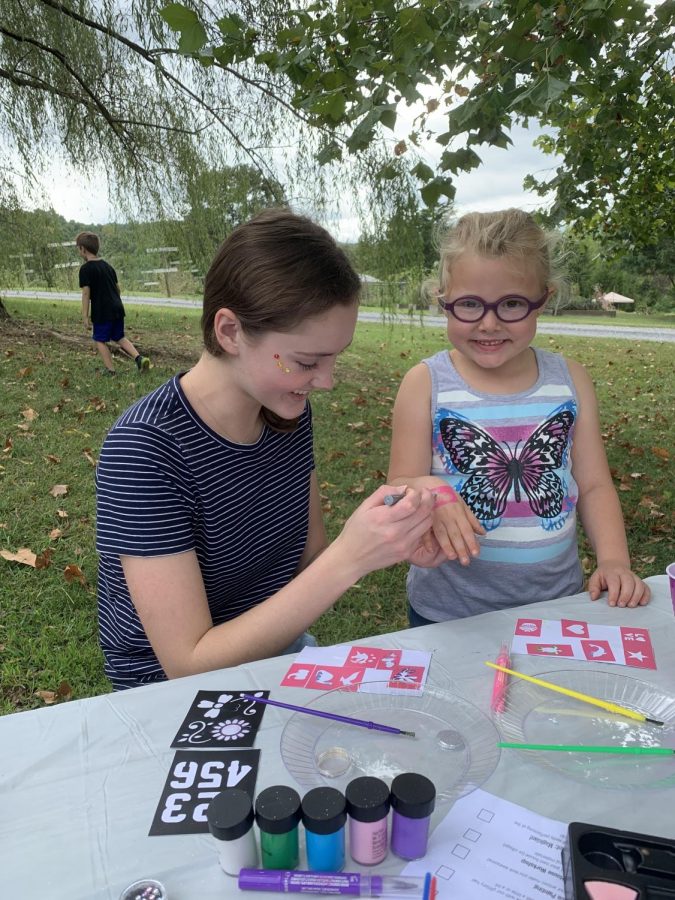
(217, 201)
(598, 72)
(284, 88)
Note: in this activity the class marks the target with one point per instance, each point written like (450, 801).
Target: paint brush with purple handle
(362, 723)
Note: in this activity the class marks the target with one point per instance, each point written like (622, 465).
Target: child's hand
(376, 535)
(455, 527)
(429, 554)
(623, 587)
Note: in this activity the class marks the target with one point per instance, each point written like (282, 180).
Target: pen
(392, 499)
(352, 884)
(585, 698)
(501, 678)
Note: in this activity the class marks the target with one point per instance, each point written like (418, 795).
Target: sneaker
(142, 363)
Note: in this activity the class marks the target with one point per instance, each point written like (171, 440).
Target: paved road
(626, 332)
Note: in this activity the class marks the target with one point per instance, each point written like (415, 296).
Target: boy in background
(102, 304)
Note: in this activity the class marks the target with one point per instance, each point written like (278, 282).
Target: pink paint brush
(501, 679)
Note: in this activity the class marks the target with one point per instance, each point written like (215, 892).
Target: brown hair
(273, 272)
(509, 233)
(89, 241)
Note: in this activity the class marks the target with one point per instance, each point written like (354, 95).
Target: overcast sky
(497, 184)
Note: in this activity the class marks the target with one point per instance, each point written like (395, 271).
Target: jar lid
(367, 799)
(413, 795)
(145, 889)
(230, 814)
(277, 809)
(324, 810)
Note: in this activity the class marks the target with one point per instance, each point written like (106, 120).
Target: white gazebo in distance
(611, 299)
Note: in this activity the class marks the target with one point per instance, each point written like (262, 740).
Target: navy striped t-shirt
(165, 484)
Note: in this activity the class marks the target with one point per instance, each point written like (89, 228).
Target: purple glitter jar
(413, 798)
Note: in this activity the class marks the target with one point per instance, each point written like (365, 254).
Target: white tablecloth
(79, 782)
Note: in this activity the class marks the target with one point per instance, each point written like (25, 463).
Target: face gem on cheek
(280, 365)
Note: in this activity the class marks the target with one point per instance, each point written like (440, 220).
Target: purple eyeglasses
(510, 308)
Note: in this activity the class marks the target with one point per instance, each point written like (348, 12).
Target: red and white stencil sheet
(359, 668)
(574, 639)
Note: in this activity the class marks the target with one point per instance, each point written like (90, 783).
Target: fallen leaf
(74, 573)
(61, 513)
(55, 534)
(59, 490)
(24, 555)
(64, 691)
(49, 697)
(90, 459)
(43, 560)
(661, 452)
(636, 474)
(50, 457)
(29, 414)
(9, 444)
(22, 373)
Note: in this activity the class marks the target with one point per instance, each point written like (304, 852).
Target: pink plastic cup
(670, 572)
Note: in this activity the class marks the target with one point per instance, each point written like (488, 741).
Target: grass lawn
(56, 411)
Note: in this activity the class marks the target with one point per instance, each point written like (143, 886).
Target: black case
(643, 862)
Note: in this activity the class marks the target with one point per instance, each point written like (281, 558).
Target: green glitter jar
(277, 813)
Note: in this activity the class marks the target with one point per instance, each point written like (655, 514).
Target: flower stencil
(231, 730)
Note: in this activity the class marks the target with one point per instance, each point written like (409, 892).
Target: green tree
(599, 72)
(217, 200)
(325, 81)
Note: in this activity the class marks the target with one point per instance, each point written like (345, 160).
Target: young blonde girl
(212, 548)
(508, 438)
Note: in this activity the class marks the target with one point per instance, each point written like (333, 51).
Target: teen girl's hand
(623, 587)
(454, 525)
(376, 535)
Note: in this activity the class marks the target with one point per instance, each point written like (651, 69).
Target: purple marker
(350, 884)
(413, 798)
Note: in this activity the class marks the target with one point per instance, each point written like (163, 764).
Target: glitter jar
(368, 809)
(413, 798)
(145, 889)
(230, 818)
(324, 815)
(277, 812)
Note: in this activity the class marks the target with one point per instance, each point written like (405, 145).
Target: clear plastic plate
(455, 744)
(537, 715)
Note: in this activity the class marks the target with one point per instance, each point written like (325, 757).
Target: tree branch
(165, 73)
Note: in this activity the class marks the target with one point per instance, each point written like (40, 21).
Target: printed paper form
(487, 847)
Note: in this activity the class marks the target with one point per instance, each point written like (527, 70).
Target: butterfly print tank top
(509, 456)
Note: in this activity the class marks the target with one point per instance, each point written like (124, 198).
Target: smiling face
(279, 369)
(490, 344)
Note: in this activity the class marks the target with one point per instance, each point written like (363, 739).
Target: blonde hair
(508, 233)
